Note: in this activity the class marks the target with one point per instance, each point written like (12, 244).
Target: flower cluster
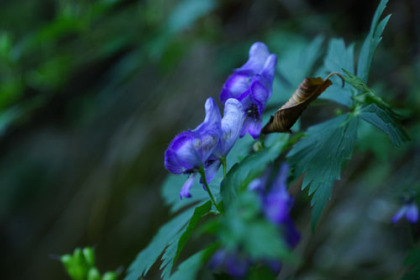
(244, 96)
(276, 204)
(252, 84)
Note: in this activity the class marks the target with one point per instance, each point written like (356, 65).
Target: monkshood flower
(189, 150)
(207, 145)
(409, 210)
(277, 203)
(252, 84)
(235, 264)
(231, 124)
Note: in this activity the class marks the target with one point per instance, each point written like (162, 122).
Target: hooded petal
(181, 154)
(269, 70)
(185, 190)
(190, 149)
(258, 54)
(208, 133)
(233, 119)
(235, 86)
(253, 126)
(259, 95)
(412, 213)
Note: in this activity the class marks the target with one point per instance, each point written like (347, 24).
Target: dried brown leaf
(288, 114)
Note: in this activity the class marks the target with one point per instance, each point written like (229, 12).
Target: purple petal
(236, 265)
(412, 213)
(292, 236)
(276, 207)
(185, 190)
(218, 259)
(211, 170)
(274, 265)
(208, 133)
(259, 95)
(269, 70)
(232, 122)
(235, 85)
(212, 111)
(253, 126)
(256, 185)
(260, 183)
(181, 154)
(258, 55)
(281, 180)
(399, 214)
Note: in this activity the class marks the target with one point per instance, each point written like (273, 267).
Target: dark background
(92, 92)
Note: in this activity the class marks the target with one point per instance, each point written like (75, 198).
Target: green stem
(262, 140)
(223, 160)
(203, 177)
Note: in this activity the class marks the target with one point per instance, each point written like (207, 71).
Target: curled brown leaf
(288, 114)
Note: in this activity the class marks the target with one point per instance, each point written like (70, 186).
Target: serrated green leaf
(242, 173)
(166, 235)
(170, 192)
(337, 58)
(175, 248)
(189, 269)
(320, 154)
(294, 65)
(386, 121)
(371, 42)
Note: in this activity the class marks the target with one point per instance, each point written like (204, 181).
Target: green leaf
(243, 227)
(299, 61)
(320, 154)
(242, 173)
(263, 241)
(372, 41)
(175, 248)
(337, 58)
(385, 120)
(189, 269)
(170, 192)
(167, 234)
(413, 261)
(376, 111)
(294, 65)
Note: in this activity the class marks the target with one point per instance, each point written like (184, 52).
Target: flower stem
(262, 140)
(223, 160)
(206, 186)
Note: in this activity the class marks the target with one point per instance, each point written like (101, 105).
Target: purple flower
(206, 145)
(409, 211)
(231, 125)
(277, 203)
(234, 263)
(190, 150)
(252, 85)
